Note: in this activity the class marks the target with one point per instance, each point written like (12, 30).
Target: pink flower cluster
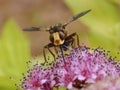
(81, 67)
(109, 83)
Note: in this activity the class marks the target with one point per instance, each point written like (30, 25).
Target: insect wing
(37, 28)
(73, 18)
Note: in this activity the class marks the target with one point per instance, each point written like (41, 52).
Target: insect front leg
(44, 51)
(73, 42)
(78, 42)
(56, 51)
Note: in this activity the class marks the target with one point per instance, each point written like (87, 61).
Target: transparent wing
(73, 18)
(37, 28)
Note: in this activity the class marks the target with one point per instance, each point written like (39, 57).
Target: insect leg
(48, 47)
(51, 53)
(71, 39)
(62, 53)
(44, 53)
(56, 51)
(73, 42)
(78, 42)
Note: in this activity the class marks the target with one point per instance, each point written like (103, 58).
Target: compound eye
(62, 35)
(51, 38)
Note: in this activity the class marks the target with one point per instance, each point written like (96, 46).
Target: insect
(58, 35)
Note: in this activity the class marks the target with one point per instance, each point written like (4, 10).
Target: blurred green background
(100, 27)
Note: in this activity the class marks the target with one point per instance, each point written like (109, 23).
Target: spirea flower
(81, 67)
(109, 83)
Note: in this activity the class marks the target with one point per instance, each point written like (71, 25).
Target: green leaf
(14, 53)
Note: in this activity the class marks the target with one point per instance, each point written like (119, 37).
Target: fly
(58, 36)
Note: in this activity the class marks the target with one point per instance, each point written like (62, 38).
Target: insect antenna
(73, 18)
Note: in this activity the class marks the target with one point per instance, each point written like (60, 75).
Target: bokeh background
(99, 28)
(29, 13)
